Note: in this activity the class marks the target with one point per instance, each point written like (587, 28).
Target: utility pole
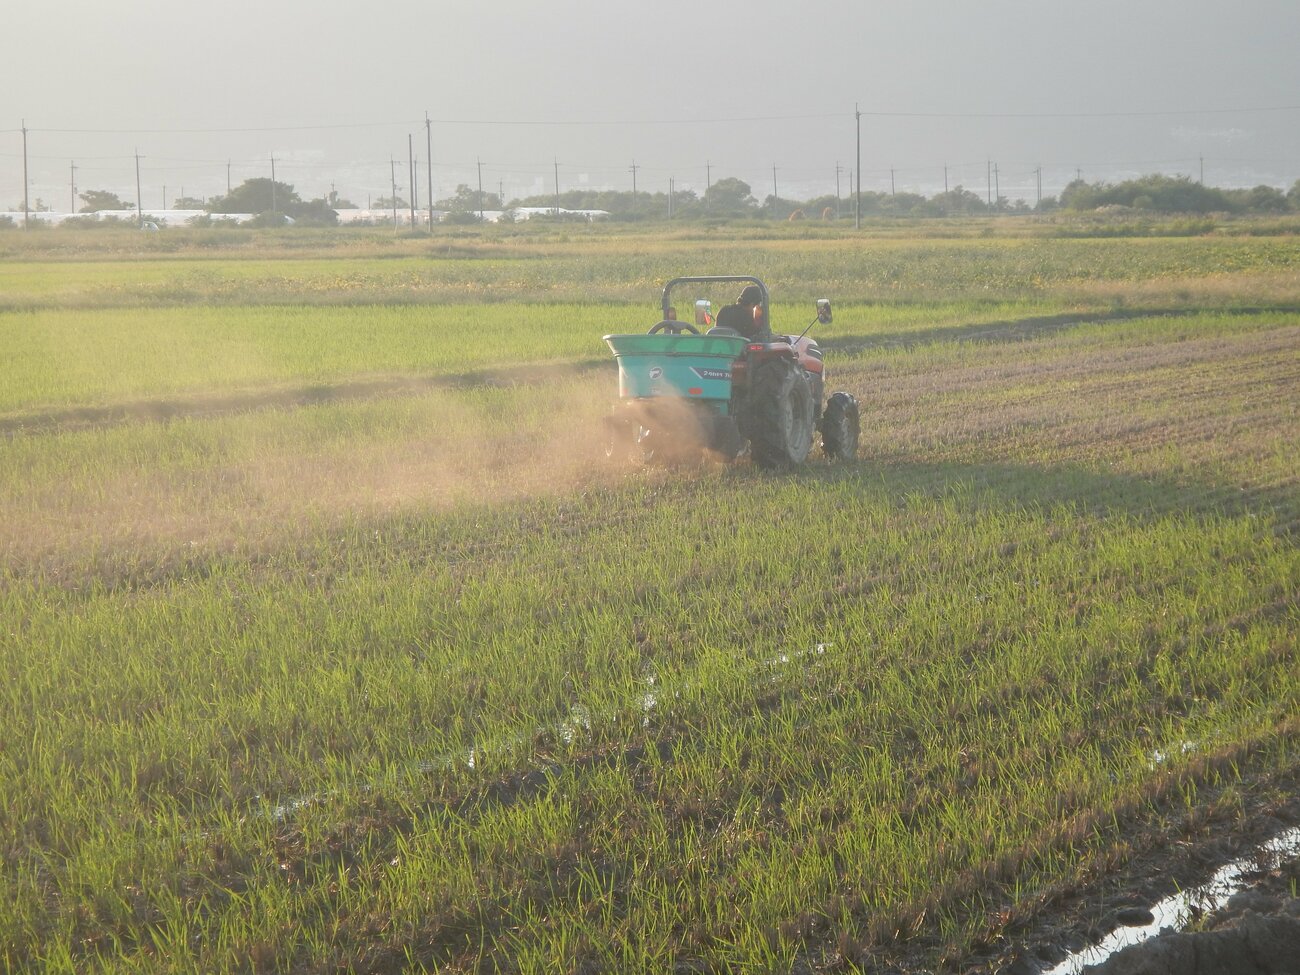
(857, 205)
(997, 187)
(410, 164)
(139, 209)
(273, 206)
(708, 182)
(670, 197)
(227, 177)
(775, 195)
(1202, 180)
(480, 189)
(988, 181)
(25, 203)
(557, 185)
(635, 167)
(1078, 174)
(428, 153)
(392, 175)
(891, 182)
(501, 192)
(837, 190)
(72, 205)
(164, 202)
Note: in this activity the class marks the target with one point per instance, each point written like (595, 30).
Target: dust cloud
(260, 478)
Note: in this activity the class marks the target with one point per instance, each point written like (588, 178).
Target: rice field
(330, 643)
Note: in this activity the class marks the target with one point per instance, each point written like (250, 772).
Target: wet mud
(1222, 898)
(1245, 920)
(1256, 934)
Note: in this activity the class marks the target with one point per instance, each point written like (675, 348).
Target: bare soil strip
(1038, 326)
(244, 401)
(292, 397)
(315, 394)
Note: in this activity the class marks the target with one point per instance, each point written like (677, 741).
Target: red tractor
(727, 387)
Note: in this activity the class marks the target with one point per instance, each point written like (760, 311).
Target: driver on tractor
(745, 317)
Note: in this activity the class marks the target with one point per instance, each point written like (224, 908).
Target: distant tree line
(271, 201)
(1178, 194)
(733, 198)
(729, 198)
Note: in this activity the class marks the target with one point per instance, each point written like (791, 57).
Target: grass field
(328, 643)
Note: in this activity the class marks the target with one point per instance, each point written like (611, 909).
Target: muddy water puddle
(1177, 911)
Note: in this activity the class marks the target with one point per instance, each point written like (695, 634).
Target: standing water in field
(1177, 911)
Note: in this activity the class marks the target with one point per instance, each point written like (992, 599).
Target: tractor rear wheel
(781, 414)
(840, 426)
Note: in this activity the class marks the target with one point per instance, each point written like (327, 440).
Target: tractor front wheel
(781, 414)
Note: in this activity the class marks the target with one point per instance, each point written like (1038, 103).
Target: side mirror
(824, 311)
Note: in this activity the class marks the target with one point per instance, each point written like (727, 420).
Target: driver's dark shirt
(740, 318)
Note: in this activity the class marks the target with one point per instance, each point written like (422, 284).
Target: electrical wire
(719, 120)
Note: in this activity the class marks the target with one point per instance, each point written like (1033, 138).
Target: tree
(730, 197)
(388, 202)
(188, 203)
(818, 206)
(958, 200)
(780, 208)
(277, 200)
(1164, 194)
(1266, 199)
(901, 204)
(1079, 195)
(96, 200)
(257, 196)
(314, 213)
(466, 199)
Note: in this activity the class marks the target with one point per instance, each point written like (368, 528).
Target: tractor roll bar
(716, 279)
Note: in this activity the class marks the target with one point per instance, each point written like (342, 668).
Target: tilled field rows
(329, 641)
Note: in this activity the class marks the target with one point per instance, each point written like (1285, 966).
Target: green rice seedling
(409, 680)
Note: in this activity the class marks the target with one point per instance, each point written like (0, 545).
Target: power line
(1040, 115)
(812, 116)
(259, 128)
(438, 121)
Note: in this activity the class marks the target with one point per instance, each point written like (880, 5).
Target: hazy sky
(333, 89)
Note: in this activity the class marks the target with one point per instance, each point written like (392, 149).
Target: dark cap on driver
(752, 295)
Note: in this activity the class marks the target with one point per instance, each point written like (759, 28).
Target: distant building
(382, 215)
(174, 218)
(179, 218)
